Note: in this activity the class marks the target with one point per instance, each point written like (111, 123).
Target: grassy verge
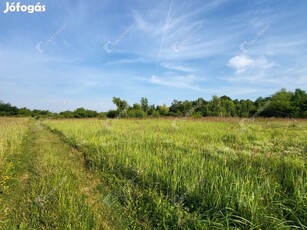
(13, 132)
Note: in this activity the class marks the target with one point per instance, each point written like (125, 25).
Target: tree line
(281, 104)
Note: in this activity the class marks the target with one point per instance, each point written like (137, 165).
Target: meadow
(11, 136)
(208, 173)
(195, 174)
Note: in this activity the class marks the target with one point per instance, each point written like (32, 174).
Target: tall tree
(121, 104)
(144, 104)
(280, 105)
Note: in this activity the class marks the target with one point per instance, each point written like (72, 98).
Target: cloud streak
(182, 82)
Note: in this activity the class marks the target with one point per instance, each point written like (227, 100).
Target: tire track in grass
(54, 190)
(146, 208)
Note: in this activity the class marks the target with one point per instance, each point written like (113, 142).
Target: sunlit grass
(12, 132)
(229, 174)
(48, 186)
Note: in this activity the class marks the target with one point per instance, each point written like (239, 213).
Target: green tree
(299, 103)
(228, 107)
(7, 109)
(163, 110)
(280, 105)
(215, 107)
(144, 104)
(24, 112)
(121, 104)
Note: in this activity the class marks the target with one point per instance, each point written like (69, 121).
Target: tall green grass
(12, 132)
(199, 174)
(48, 186)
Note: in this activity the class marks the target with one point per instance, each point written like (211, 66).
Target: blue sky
(82, 53)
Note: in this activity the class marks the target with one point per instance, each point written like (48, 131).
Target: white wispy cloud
(183, 82)
(278, 77)
(129, 61)
(292, 45)
(181, 27)
(241, 63)
(177, 66)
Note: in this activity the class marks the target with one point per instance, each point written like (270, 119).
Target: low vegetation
(174, 173)
(11, 137)
(178, 173)
(44, 184)
(281, 104)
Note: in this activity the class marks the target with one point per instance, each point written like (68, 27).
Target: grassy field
(11, 136)
(155, 174)
(45, 184)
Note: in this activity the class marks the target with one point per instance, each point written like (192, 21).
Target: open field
(153, 115)
(154, 174)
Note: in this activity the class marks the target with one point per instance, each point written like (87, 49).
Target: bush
(138, 113)
(112, 113)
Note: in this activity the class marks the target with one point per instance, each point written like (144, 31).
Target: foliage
(281, 104)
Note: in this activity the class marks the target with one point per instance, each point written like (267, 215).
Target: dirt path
(53, 189)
